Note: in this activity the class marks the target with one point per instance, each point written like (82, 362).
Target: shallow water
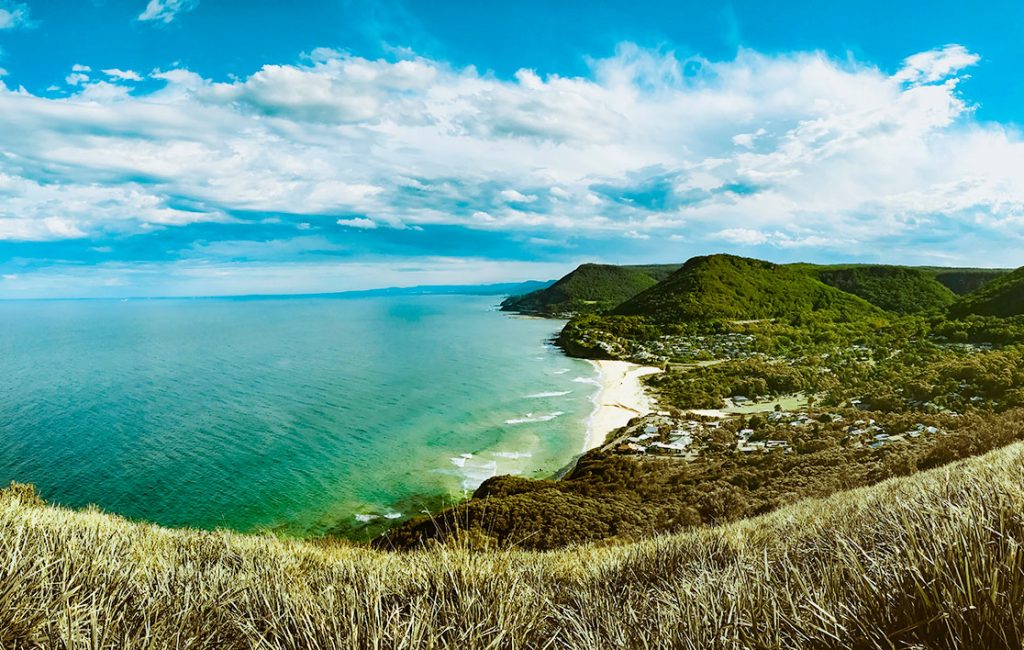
(302, 415)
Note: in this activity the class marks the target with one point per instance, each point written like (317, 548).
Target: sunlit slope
(933, 560)
(730, 287)
(590, 288)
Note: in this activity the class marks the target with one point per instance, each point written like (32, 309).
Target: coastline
(621, 398)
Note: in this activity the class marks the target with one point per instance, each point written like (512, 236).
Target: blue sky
(196, 147)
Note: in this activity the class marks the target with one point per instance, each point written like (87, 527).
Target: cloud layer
(650, 153)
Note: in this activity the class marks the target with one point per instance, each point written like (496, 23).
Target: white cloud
(165, 11)
(358, 222)
(14, 15)
(936, 65)
(123, 75)
(744, 236)
(517, 197)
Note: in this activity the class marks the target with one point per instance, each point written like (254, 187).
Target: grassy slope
(730, 287)
(590, 288)
(934, 559)
(1003, 297)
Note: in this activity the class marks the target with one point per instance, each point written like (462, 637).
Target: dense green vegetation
(588, 289)
(903, 290)
(965, 281)
(1003, 297)
(729, 287)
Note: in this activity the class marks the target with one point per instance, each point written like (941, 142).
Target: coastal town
(691, 435)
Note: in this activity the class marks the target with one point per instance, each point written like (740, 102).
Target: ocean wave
(561, 371)
(587, 380)
(460, 460)
(366, 518)
(513, 455)
(530, 417)
(554, 393)
(393, 515)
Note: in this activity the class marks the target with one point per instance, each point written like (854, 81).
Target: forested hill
(1003, 297)
(965, 281)
(750, 285)
(590, 288)
(900, 289)
(738, 288)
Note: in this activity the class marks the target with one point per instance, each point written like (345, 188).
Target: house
(672, 448)
(641, 438)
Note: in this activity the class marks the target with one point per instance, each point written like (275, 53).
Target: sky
(220, 147)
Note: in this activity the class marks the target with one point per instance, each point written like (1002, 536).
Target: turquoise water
(302, 415)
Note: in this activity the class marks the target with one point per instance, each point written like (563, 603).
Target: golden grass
(930, 561)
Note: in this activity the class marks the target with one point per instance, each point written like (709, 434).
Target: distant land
(496, 289)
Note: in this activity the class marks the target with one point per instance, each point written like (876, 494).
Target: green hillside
(1003, 297)
(738, 288)
(900, 289)
(965, 281)
(588, 289)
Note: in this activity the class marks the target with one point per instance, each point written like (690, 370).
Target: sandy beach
(620, 399)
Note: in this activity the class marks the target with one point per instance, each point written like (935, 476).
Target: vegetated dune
(933, 560)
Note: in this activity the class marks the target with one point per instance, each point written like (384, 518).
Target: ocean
(301, 416)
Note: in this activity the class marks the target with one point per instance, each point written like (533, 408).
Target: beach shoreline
(621, 398)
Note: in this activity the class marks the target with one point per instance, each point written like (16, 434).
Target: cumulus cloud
(936, 65)
(516, 196)
(165, 11)
(786, 151)
(123, 75)
(358, 222)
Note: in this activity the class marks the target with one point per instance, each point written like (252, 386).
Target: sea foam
(530, 417)
(554, 393)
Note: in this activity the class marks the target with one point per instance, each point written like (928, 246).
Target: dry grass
(931, 561)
